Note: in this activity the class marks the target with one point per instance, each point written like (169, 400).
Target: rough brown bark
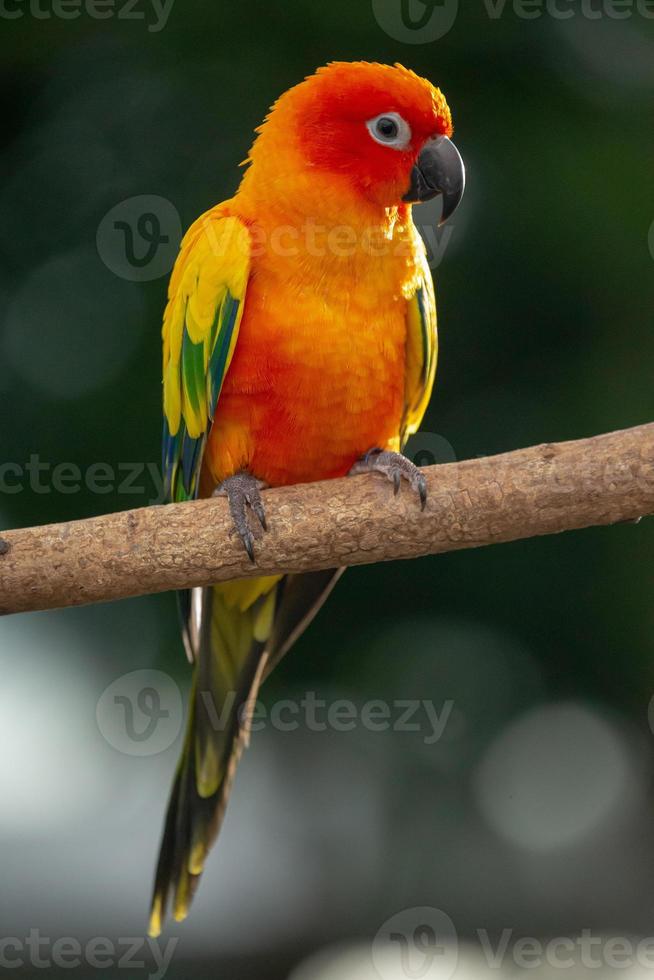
(541, 490)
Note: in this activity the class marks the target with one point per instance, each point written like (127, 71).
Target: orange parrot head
(382, 132)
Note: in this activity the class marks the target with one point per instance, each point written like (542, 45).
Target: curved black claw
(396, 468)
(242, 491)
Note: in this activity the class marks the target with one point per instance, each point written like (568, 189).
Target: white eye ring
(389, 129)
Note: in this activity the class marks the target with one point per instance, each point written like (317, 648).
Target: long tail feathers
(229, 667)
(235, 634)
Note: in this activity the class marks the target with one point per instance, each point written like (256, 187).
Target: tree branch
(541, 490)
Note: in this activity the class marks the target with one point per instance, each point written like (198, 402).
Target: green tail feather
(229, 667)
(241, 639)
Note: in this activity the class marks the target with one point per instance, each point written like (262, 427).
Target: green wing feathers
(200, 330)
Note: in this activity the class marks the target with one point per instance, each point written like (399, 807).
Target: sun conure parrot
(299, 344)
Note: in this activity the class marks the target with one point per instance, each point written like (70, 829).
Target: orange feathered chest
(318, 373)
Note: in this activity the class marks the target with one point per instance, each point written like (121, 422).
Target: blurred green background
(535, 809)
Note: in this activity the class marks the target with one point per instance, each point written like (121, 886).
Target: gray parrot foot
(396, 468)
(242, 492)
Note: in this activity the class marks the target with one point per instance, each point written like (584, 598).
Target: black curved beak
(439, 169)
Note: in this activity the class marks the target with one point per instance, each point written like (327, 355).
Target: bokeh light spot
(552, 776)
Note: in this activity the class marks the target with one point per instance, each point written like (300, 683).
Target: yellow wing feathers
(201, 320)
(421, 349)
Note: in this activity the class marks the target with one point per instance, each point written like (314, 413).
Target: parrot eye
(390, 129)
